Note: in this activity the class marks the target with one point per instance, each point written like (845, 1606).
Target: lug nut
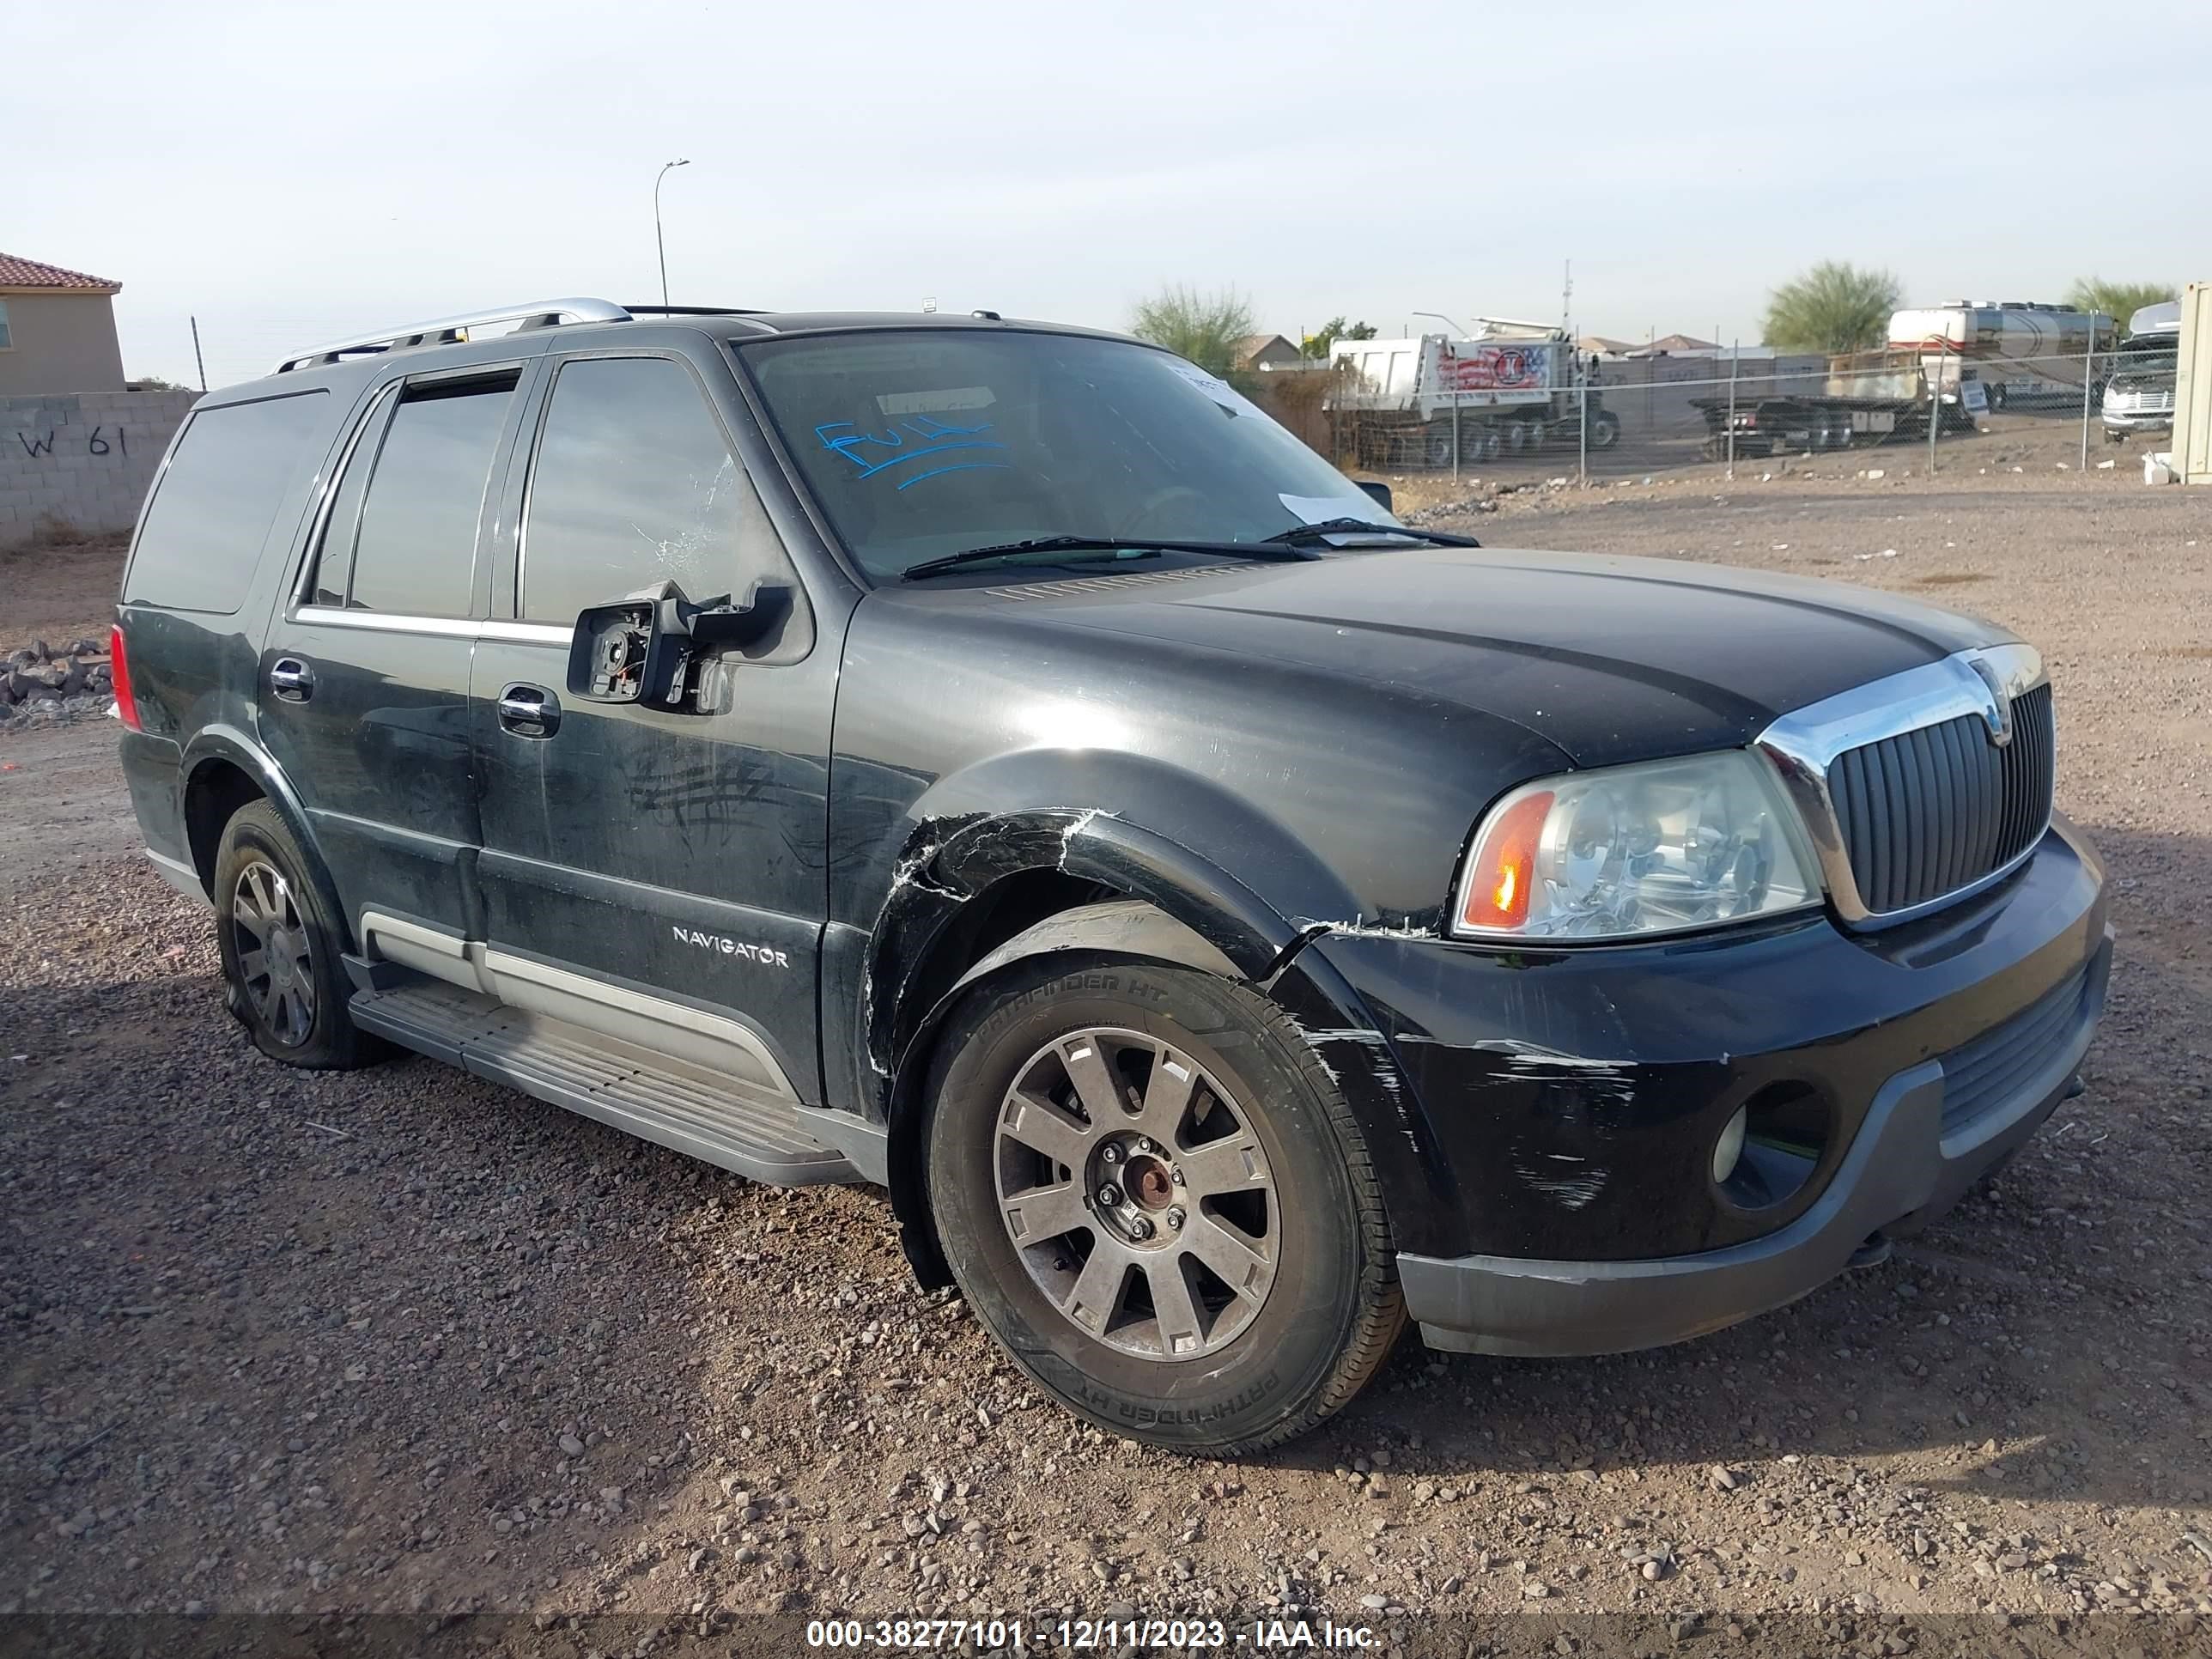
(1110, 1196)
(1112, 1154)
(1176, 1176)
(1141, 1229)
(1175, 1219)
(1143, 1144)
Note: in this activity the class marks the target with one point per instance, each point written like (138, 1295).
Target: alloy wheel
(276, 960)
(1136, 1193)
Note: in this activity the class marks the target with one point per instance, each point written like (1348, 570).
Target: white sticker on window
(924, 403)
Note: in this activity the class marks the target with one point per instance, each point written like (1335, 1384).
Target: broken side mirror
(648, 647)
(1378, 491)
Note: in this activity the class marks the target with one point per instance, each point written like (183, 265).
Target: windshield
(925, 442)
(2139, 352)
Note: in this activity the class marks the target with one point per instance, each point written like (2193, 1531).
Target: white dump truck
(1508, 389)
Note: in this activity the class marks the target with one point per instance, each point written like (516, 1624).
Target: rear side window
(231, 473)
(634, 485)
(415, 550)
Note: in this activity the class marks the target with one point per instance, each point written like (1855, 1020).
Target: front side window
(634, 485)
(924, 442)
(414, 551)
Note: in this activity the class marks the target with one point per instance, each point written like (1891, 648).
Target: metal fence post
(1731, 414)
(2088, 374)
(1582, 452)
(1935, 413)
(1455, 434)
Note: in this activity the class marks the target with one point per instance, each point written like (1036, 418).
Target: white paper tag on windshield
(1319, 509)
(1214, 387)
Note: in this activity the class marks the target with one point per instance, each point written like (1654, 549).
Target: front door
(655, 875)
(363, 699)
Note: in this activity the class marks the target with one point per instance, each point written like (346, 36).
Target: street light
(657, 242)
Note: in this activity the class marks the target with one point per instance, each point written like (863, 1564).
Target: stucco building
(56, 330)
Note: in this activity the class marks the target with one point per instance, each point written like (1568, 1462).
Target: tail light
(119, 671)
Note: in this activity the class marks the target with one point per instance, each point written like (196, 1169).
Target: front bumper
(1903, 1171)
(1568, 1102)
(2150, 421)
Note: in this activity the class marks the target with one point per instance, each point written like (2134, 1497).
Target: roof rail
(448, 330)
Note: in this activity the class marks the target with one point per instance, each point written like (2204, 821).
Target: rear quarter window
(212, 511)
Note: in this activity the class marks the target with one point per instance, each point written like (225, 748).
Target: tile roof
(29, 273)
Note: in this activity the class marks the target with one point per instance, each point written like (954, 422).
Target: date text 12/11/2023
(1083, 1635)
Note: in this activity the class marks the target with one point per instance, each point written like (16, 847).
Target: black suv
(997, 761)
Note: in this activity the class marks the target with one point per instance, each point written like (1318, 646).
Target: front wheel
(1153, 1194)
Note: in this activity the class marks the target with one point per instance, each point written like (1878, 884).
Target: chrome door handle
(291, 679)
(529, 711)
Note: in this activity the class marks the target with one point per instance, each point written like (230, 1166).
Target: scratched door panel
(677, 854)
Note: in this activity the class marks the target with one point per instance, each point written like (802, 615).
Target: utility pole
(658, 242)
(196, 358)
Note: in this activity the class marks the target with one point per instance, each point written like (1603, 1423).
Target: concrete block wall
(81, 462)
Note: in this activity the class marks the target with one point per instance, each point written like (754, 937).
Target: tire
(281, 946)
(1233, 1371)
(1605, 432)
(1437, 451)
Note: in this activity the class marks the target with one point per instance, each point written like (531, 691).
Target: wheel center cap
(1149, 1182)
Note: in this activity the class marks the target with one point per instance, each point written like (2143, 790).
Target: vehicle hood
(1609, 659)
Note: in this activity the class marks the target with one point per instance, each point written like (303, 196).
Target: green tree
(1317, 344)
(2119, 301)
(1207, 328)
(1833, 308)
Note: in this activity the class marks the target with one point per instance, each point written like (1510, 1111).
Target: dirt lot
(398, 1340)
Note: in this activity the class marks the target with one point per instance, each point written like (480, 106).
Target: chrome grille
(1928, 812)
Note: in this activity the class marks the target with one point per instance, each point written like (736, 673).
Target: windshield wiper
(1297, 535)
(1274, 551)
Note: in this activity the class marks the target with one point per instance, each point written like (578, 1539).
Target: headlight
(1634, 850)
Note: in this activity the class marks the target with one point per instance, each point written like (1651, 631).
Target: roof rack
(448, 330)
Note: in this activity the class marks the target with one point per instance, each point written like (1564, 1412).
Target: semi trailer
(1950, 362)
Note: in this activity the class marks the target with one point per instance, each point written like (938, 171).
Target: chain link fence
(1600, 418)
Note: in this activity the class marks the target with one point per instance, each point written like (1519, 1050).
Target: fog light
(1730, 1147)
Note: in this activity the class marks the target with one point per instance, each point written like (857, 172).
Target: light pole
(658, 242)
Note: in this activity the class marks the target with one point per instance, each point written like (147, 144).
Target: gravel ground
(400, 1340)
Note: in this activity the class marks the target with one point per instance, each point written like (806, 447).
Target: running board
(725, 1122)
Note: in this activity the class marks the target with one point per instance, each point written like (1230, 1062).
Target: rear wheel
(1153, 1195)
(281, 946)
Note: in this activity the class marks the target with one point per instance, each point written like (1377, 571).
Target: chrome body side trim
(387, 622)
(526, 633)
(1802, 744)
(723, 1046)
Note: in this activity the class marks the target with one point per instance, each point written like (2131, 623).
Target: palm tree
(2119, 301)
(1834, 307)
(1207, 328)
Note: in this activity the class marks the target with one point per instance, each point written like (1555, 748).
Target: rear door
(656, 875)
(364, 684)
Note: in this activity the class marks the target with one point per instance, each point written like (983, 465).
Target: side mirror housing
(1378, 491)
(646, 648)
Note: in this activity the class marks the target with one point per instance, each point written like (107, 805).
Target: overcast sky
(289, 173)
